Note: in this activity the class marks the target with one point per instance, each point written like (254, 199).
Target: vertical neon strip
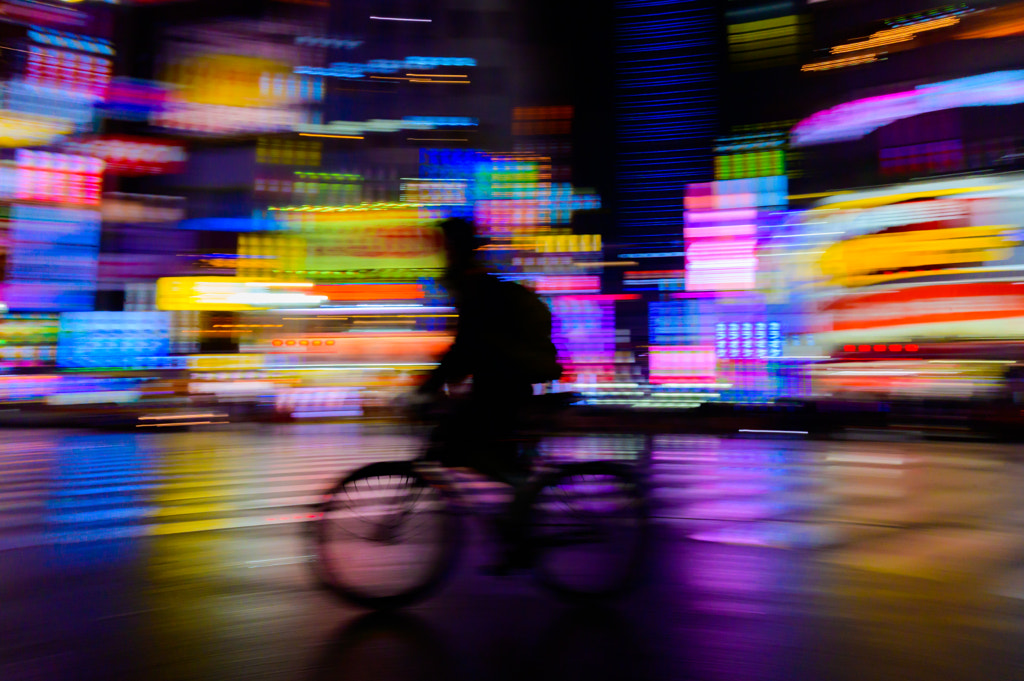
(666, 110)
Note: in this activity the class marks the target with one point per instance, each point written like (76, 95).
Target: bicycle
(389, 534)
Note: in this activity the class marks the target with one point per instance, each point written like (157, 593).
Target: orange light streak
(896, 35)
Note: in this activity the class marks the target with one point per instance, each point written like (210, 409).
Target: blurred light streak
(324, 41)
(888, 197)
(179, 417)
(841, 63)
(615, 263)
(997, 22)
(896, 35)
(24, 129)
(285, 284)
(401, 19)
(855, 119)
(368, 309)
(326, 414)
(664, 254)
(895, 255)
(800, 236)
(360, 70)
(345, 137)
(177, 424)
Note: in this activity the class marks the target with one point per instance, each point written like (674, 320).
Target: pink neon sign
(853, 120)
(721, 245)
(677, 363)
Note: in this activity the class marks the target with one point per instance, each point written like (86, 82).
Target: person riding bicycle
(503, 344)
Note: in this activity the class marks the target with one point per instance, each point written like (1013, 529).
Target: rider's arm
(452, 369)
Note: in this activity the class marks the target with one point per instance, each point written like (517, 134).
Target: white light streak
(796, 236)
(402, 19)
(778, 255)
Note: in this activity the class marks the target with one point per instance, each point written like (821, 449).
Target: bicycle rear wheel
(589, 530)
(385, 537)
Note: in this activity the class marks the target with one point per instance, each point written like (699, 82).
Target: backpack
(525, 340)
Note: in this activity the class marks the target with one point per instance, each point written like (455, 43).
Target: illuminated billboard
(52, 261)
(364, 237)
(721, 230)
(220, 93)
(932, 260)
(230, 294)
(132, 155)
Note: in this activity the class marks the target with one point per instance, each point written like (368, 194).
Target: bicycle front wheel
(385, 537)
(589, 530)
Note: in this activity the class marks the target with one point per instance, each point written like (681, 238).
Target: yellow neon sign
(872, 259)
(875, 201)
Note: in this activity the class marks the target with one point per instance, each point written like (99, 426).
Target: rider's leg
(450, 440)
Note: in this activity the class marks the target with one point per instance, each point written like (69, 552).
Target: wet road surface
(181, 556)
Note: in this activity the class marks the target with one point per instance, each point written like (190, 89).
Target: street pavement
(182, 556)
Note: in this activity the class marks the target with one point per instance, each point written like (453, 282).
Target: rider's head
(460, 244)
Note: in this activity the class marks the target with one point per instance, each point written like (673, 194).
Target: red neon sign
(128, 155)
(58, 178)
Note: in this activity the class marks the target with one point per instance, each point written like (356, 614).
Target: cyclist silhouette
(503, 343)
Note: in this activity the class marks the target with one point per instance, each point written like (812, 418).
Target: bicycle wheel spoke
(385, 534)
(588, 527)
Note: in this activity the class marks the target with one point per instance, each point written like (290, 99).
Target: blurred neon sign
(910, 254)
(231, 294)
(748, 340)
(214, 119)
(324, 41)
(359, 127)
(721, 231)
(126, 155)
(354, 70)
(68, 70)
(133, 99)
(37, 13)
(224, 79)
(438, 192)
(569, 283)
(52, 260)
(114, 339)
(71, 41)
(853, 120)
(881, 347)
(51, 101)
(58, 178)
(946, 304)
(680, 363)
(445, 121)
(19, 129)
(362, 237)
